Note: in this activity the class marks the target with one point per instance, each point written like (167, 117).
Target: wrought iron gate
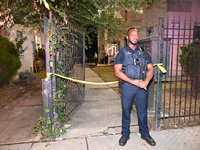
(177, 93)
(65, 54)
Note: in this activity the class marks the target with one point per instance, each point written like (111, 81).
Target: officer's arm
(121, 75)
(150, 73)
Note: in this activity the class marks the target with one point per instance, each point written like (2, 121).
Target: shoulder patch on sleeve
(116, 54)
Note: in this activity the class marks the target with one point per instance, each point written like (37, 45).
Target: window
(33, 45)
(196, 34)
(149, 32)
(175, 25)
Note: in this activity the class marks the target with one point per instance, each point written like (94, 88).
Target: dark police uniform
(132, 62)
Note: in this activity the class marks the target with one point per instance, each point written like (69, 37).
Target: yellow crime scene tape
(162, 69)
(79, 81)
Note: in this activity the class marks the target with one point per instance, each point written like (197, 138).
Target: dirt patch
(9, 93)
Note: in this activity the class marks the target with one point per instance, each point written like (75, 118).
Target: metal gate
(65, 54)
(177, 93)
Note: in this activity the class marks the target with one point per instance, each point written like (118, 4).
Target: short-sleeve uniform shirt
(120, 58)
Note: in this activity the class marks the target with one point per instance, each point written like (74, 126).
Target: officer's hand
(143, 84)
(136, 82)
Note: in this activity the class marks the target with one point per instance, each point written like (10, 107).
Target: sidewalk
(96, 125)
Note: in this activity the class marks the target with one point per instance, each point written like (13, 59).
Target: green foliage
(39, 126)
(103, 14)
(9, 60)
(44, 126)
(19, 43)
(190, 62)
(23, 12)
(45, 3)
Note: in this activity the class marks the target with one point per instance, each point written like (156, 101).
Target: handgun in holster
(143, 70)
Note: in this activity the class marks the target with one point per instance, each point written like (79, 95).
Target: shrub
(9, 60)
(27, 77)
(190, 62)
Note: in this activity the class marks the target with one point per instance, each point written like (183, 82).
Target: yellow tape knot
(162, 69)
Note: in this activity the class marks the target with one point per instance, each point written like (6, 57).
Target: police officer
(134, 67)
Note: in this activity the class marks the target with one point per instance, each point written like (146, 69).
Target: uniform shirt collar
(130, 50)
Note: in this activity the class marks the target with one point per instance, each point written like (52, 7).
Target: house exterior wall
(33, 38)
(143, 21)
(147, 22)
(149, 26)
(172, 9)
(175, 13)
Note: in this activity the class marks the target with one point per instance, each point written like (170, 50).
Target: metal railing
(176, 93)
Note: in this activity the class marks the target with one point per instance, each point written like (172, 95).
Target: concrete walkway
(96, 125)
(17, 119)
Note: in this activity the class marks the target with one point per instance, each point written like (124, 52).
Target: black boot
(149, 140)
(123, 140)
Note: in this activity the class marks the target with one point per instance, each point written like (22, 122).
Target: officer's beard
(132, 42)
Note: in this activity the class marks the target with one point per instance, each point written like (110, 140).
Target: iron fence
(176, 93)
(180, 86)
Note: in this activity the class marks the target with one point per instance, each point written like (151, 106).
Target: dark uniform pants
(129, 93)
